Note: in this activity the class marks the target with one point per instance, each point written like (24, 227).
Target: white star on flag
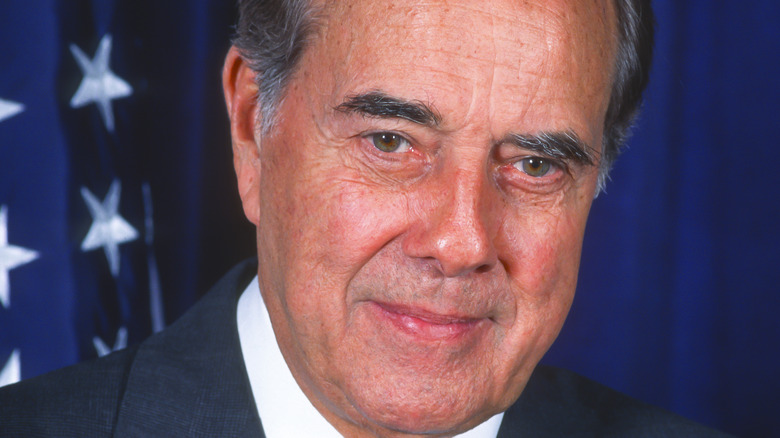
(9, 109)
(10, 257)
(108, 228)
(12, 371)
(120, 343)
(100, 84)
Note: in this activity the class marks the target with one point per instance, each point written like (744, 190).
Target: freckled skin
(449, 227)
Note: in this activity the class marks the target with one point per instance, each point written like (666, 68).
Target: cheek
(542, 252)
(338, 225)
(361, 219)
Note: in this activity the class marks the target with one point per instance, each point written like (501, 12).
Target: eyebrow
(379, 104)
(563, 145)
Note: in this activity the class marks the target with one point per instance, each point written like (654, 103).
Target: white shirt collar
(283, 408)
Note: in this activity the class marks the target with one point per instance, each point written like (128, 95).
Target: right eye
(389, 142)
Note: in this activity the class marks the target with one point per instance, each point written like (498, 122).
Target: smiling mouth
(426, 325)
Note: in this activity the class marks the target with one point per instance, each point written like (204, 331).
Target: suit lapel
(190, 380)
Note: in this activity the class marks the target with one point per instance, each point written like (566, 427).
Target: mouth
(426, 325)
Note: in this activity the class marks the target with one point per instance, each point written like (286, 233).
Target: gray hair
(271, 36)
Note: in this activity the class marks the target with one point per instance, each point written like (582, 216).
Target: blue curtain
(118, 207)
(679, 289)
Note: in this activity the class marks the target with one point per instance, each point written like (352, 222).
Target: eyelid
(512, 173)
(516, 182)
(557, 162)
(507, 152)
(385, 131)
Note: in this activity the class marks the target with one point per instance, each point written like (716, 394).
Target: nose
(453, 229)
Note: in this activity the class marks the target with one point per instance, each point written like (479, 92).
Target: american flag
(116, 202)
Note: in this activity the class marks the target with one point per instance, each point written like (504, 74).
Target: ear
(240, 88)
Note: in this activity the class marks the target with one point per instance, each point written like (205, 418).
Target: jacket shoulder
(79, 400)
(188, 380)
(560, 403)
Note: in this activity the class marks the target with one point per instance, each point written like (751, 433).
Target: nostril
(483, 268)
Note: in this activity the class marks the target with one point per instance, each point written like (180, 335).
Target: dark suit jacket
(190, 381)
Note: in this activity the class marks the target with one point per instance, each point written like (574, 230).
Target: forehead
(530, 58)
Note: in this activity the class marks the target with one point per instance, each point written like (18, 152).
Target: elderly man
(420, 175)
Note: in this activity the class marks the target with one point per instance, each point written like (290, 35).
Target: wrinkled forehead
(581, 19)
(516, 48)
(569, 27)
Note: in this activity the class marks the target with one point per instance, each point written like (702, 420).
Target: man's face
(421, 202)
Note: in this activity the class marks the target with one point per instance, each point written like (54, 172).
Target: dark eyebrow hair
(563, 145)
(379, 104)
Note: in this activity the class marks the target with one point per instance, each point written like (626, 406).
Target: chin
(420, 412)
(417, 424)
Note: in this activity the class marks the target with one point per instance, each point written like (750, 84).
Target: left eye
(389, 142)
(536, 167)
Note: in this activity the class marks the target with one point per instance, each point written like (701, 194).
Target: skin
(414, 291)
